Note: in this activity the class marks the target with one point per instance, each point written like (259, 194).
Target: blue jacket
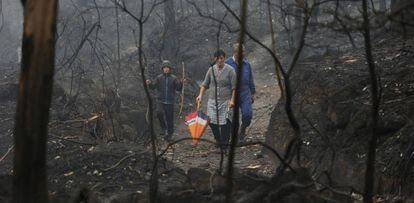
(247, 83)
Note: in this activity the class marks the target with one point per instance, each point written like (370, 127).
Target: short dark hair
(219, 52)
(236, 47)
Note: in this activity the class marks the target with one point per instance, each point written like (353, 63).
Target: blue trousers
(245, 104)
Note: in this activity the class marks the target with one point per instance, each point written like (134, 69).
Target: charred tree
(170, 29)
(382, 5)
(273, 37)
(33, 102)
(298, 22)
(141, 19)
(375, 99)
(402, 15)
(235, 127)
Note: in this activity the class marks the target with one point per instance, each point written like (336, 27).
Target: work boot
(242, 133)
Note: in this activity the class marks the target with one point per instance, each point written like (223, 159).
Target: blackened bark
(273, 35)
(382, 5)
(298, 16)
(402, 16)
(372, 145)
(170, 32)
(234, 134)
(33, 102)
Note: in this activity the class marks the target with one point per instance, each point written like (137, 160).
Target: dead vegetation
(99, 129)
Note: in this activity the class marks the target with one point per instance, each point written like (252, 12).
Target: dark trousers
(222, 134)
(165, 114)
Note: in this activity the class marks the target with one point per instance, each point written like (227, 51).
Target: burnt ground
(120, 170)
(79, 161)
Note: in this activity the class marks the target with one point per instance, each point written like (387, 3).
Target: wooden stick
(182, 93)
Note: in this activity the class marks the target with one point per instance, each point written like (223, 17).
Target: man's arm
(152, 84)
(233, 80)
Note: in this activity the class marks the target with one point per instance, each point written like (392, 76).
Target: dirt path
(248, 158)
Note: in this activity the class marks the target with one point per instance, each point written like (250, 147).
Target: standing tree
(297, 14)
(170, 31)
(33, 102)
(402, 14)
(375, 99)
(382, 5)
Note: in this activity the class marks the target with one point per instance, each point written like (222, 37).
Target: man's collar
(235, 61)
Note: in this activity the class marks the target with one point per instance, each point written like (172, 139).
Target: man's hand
(148, 82)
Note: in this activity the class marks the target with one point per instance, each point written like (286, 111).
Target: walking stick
(182, 92)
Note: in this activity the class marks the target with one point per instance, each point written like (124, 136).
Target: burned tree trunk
(382, 5)
(298, 22)
(33, 102)
(170, 39)
(373, 140)
(402, 15)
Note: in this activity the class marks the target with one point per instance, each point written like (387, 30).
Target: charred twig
(219, 30)
(119, 162)
(71, 59)
(7, 153)
(124, 158)
(171, 144)
(221, 22)
(74, 141)
(96, 185)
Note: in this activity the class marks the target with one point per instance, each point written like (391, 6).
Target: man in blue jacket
(166, 85)
(247, 90)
